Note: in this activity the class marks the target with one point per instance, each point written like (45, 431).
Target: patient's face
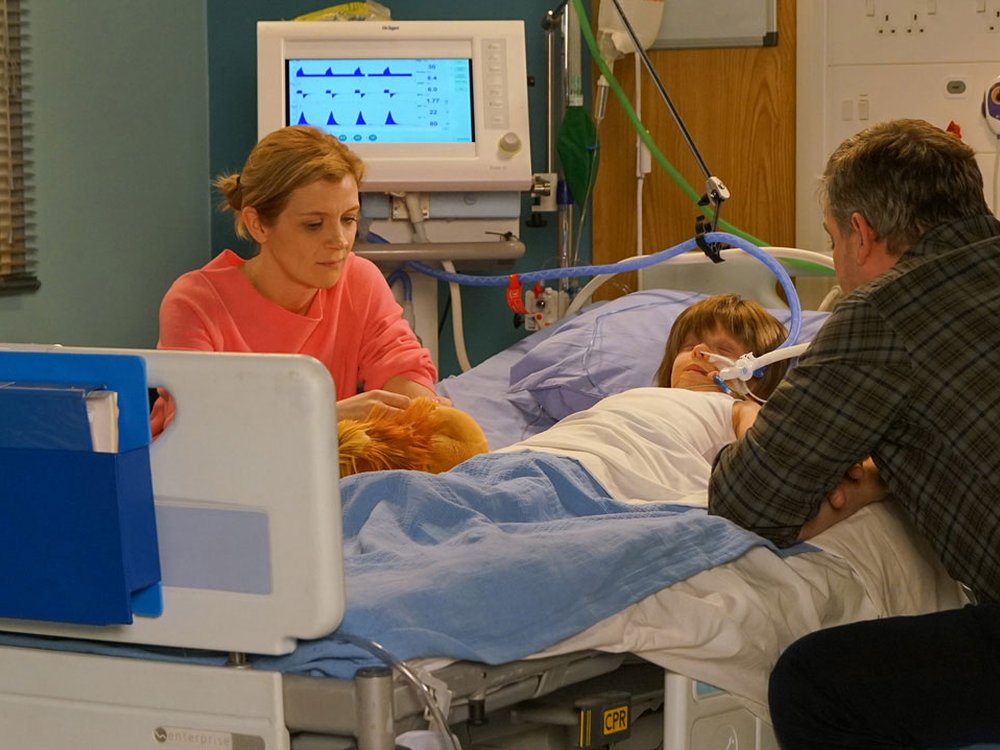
(692, 370)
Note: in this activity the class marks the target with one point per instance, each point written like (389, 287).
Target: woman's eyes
(314, 226)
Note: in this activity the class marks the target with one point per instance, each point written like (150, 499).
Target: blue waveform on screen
(359, 120)
(389, 74)
(379, 99)
(358, 73)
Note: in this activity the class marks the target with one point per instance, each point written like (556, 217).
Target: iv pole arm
(715, 190)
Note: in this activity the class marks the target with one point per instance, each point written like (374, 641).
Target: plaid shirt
(907, 370)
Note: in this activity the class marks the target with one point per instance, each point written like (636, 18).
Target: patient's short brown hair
(745, 320)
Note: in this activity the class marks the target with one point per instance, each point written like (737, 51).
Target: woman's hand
(357, 407)
(396, 394)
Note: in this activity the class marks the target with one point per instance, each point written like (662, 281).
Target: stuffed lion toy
(425, 436)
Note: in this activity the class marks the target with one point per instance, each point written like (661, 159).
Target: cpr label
(615, 720)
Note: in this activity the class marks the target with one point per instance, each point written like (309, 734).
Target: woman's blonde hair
(280, 163)
(743, 319)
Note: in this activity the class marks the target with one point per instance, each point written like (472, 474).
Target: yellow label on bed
(603, 718)
(615, 720)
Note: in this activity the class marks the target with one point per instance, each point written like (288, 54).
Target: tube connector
(748, 366)
(742, 369)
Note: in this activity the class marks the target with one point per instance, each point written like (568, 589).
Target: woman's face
(691, 369)
(307, 245)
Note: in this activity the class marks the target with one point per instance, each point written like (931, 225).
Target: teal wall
(119, 108)
(136, 104)
(232, 72)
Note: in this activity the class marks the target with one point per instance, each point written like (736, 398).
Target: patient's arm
(860, 487)
(744, 414)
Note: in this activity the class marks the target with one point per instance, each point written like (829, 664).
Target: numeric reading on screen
(398, 100)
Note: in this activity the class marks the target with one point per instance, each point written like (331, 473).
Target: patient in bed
(693, 429)
(657, 444)
(510, 552)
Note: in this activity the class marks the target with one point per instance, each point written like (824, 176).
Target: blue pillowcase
(610, 348)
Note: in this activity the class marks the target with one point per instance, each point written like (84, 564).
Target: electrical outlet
(886, 25)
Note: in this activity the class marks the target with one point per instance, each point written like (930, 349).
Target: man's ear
(251, 220)
(870, 246)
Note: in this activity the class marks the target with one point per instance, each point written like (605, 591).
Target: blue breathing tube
(633, 264)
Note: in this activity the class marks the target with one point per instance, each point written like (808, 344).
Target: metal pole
(571, 95)
(549, 24)
(373, 703)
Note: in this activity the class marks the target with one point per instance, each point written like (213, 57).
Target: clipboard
(78, 537)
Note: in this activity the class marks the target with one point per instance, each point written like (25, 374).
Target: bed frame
(251, 449)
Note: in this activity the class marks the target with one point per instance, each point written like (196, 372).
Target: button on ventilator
(509, 144)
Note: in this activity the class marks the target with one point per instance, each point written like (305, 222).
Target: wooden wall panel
(739, 106)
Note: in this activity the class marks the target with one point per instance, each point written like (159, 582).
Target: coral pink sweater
(355, 327)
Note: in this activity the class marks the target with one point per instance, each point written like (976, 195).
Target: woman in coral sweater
(304, 292)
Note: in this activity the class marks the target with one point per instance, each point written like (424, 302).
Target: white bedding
(645, 444)
(727, 626)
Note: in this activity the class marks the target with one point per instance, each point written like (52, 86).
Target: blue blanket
(499, 558)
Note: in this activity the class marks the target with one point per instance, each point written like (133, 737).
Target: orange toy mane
(425, 436)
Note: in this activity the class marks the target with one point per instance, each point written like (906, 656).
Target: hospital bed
(252, 550)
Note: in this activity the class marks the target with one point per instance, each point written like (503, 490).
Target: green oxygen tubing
(640, 129)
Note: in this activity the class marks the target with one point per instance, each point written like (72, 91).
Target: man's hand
(860, 487)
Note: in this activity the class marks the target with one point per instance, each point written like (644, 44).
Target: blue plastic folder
(77, 527)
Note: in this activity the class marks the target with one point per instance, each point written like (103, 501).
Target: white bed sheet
(727, 626)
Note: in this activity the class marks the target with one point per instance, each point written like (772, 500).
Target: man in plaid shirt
(898, 395)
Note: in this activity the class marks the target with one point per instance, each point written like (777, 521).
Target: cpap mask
(747, 366)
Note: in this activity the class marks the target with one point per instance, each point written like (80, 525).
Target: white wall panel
(864, 61)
